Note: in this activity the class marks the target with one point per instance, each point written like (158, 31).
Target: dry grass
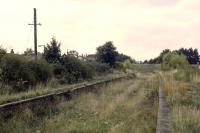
(170, 88)
(185, 119)
(184, 100)
(42, 89)
(122, 107)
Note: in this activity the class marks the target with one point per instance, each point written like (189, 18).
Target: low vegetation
(174, 61)
(51, 86)
(183, 95)
(126, 106)
(21, 74)
(192, 56)
(119, 107)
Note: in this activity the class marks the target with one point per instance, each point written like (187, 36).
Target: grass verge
(184, 99)
(126, 106)
(51, 87)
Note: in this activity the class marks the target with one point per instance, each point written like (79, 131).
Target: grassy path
(163, 119)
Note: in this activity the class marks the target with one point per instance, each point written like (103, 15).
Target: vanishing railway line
(62, 95)
(163, 118)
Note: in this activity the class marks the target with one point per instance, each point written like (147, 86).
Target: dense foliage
(191, 55)
(2, 52)
(74, 70)
(174, 61)
(68, 68)
(107, 53)
(52, 52)
(28, 52)
(20, 73)
(123, 57)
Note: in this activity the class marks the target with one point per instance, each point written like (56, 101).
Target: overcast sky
(139, 28)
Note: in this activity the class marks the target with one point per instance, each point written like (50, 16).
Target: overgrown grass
(51, 86)
(184, 99)
(146, 68)
(123, 107)
(190, 74)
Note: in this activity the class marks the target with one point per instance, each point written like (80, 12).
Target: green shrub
(191, 73)
(72, 69)
(87, 70)
(58, 70)
(119, 66)
(2, 52)
(41, 70)
(124, 66)
(52, 51)
(100, 68)
(19, 73)
(15, 71)
(174, 61)
(75, 70)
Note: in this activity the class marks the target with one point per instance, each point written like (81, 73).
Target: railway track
(54, 96)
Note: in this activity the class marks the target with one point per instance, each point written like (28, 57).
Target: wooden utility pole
(35, 24)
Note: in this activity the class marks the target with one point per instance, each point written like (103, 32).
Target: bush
(19, 73)
(15, 71)
(124, 66)
(119, 66)
(74, 69)
(87, 70)
(174, 61)
(41, 70)
(2, 52)
(58, 70)
(190, 74)
(99, 68)
(52, 52)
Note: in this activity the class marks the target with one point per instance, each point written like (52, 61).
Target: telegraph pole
(35, 24)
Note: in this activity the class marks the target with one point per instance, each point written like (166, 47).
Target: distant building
(91, 57)
(82, 57)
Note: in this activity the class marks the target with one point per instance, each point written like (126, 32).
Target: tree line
(192, 56)
(21, 71)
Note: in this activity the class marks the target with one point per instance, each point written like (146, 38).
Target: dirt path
(163, 119)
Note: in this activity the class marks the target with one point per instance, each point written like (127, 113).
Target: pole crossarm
(36, 24)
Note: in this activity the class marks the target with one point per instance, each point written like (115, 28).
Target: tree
(28, 51)
(174, 61)
(123, 57)
(107, 53)
(2, 52)
(12, 51)
(75, 70)
(159, 59)
(52, 52)
(191, 54)
(73, 53)
(14, 70)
